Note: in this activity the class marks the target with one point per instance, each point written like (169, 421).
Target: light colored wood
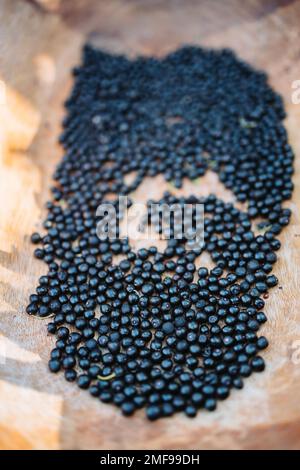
(37, 50)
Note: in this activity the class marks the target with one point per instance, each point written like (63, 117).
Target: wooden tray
(39, 43)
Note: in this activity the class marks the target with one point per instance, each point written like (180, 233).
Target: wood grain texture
(37, 49)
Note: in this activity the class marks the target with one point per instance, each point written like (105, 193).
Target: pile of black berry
(151, 331)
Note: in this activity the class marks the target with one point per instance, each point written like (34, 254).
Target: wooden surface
(39, 42)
